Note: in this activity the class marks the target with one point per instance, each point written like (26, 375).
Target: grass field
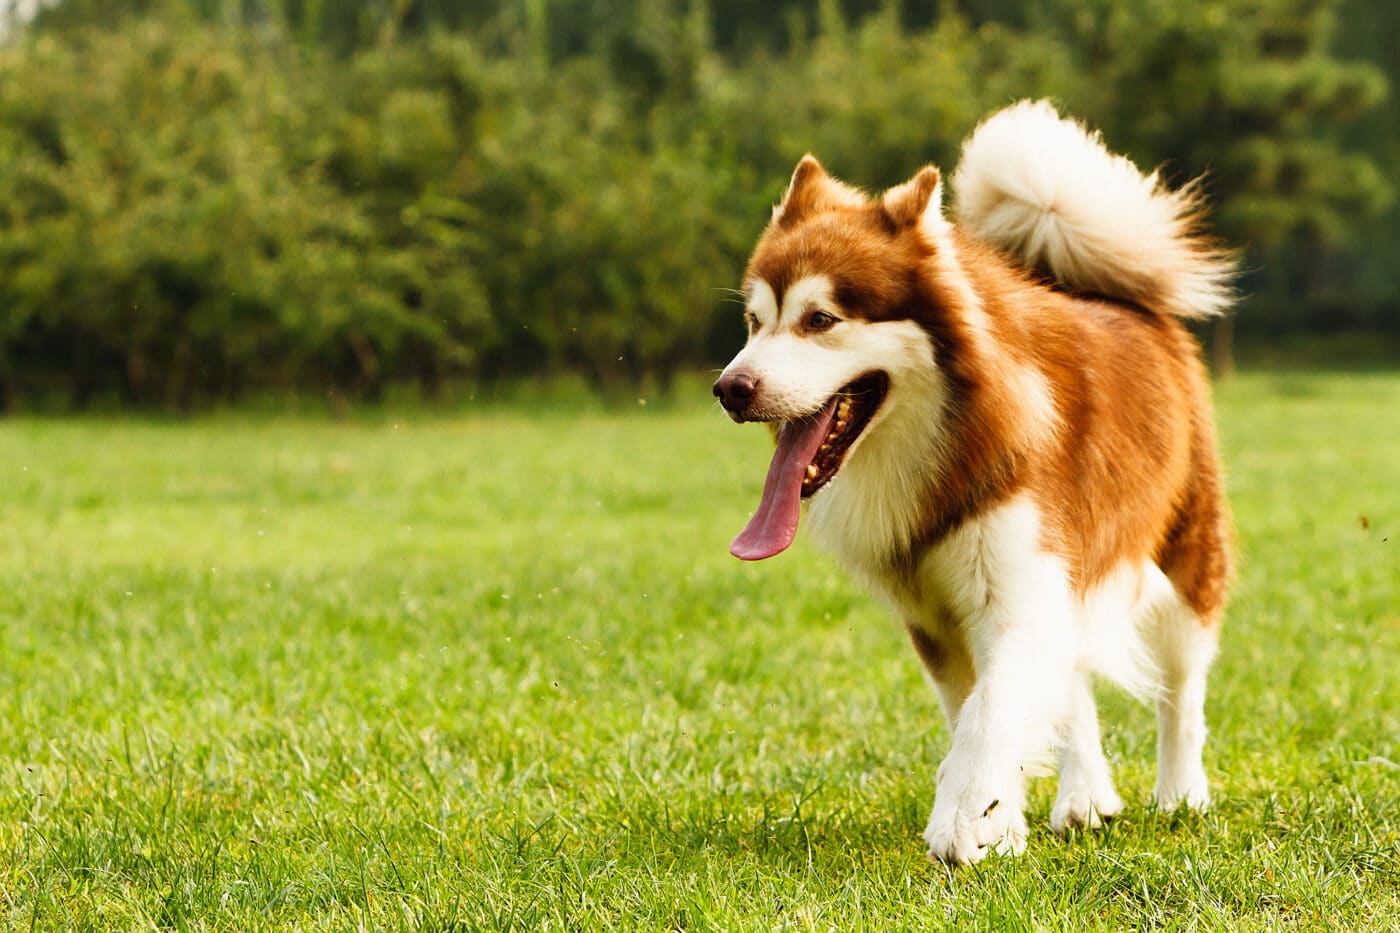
(496, 670)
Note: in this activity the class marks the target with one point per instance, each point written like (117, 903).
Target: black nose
(736, 390)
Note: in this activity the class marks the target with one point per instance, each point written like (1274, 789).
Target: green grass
(497, 670)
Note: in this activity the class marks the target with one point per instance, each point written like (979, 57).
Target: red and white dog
(1004, 428)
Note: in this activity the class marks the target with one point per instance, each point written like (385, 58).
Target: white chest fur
(993, 573)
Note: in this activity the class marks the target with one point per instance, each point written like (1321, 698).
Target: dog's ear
(812, 190)
(917, 202)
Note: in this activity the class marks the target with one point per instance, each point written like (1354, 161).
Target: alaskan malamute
(999, 422)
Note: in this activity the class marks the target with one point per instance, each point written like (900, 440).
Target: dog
(1000, 424)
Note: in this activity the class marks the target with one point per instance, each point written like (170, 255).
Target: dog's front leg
(1023, 655)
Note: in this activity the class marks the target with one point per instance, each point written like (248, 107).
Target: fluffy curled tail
(1046, 189)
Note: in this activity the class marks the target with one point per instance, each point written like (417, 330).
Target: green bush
(198, 200)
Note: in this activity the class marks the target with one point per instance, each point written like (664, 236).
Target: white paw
(1082, 806)
(962, 835)
(1192, 792)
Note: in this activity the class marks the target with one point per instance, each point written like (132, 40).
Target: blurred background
(204, 202)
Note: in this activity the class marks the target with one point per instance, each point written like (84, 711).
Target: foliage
(172, 219)
(498, 671)
(1256, 99)
(201, 198)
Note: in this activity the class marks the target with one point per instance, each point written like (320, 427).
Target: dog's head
(836, 299)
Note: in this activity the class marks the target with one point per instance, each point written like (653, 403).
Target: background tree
(1256, 100)
(201, 198)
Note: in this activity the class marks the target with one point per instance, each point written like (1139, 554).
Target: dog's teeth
(811, 471)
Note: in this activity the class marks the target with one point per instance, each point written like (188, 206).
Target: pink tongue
(774, 525)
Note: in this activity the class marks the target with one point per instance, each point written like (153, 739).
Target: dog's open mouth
(851, 410)
(810, 453)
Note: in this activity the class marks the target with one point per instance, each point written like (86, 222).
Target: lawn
(494, 668)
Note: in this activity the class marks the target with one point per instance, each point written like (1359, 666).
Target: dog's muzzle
(736, 392)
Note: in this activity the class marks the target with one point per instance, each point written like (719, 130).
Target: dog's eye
(820, 320)
(751, 322)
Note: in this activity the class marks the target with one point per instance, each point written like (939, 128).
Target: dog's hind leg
(1184, 646)
(1186, 632)
(1086, 796)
